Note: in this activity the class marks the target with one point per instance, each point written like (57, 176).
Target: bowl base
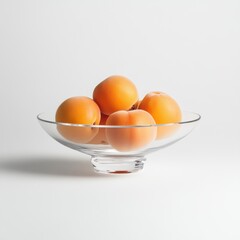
(117, 164)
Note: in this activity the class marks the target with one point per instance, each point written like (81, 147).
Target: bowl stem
(117, 164)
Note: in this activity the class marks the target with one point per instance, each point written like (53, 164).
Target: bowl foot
(117, 164)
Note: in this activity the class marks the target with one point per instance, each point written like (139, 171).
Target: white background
(51, 50)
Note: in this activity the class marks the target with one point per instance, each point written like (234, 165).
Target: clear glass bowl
(118, 149)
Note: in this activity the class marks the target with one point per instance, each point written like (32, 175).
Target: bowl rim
(194, 119)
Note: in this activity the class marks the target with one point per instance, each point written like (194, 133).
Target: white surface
(51, 50)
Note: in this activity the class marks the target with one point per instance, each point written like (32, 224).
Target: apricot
(164, 110)
(78, 110)
(100, 138)
(115, 93)
(130, 137)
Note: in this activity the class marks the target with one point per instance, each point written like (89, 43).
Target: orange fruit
(164, 110)
(115, 93)
(100, 138)
(130, 138)
(78, 110)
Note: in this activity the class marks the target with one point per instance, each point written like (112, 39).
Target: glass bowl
(118, 149)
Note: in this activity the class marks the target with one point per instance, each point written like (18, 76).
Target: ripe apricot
(164, 109)
(100, 138)
(131, 137)
(115, 93)
(78, 110)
